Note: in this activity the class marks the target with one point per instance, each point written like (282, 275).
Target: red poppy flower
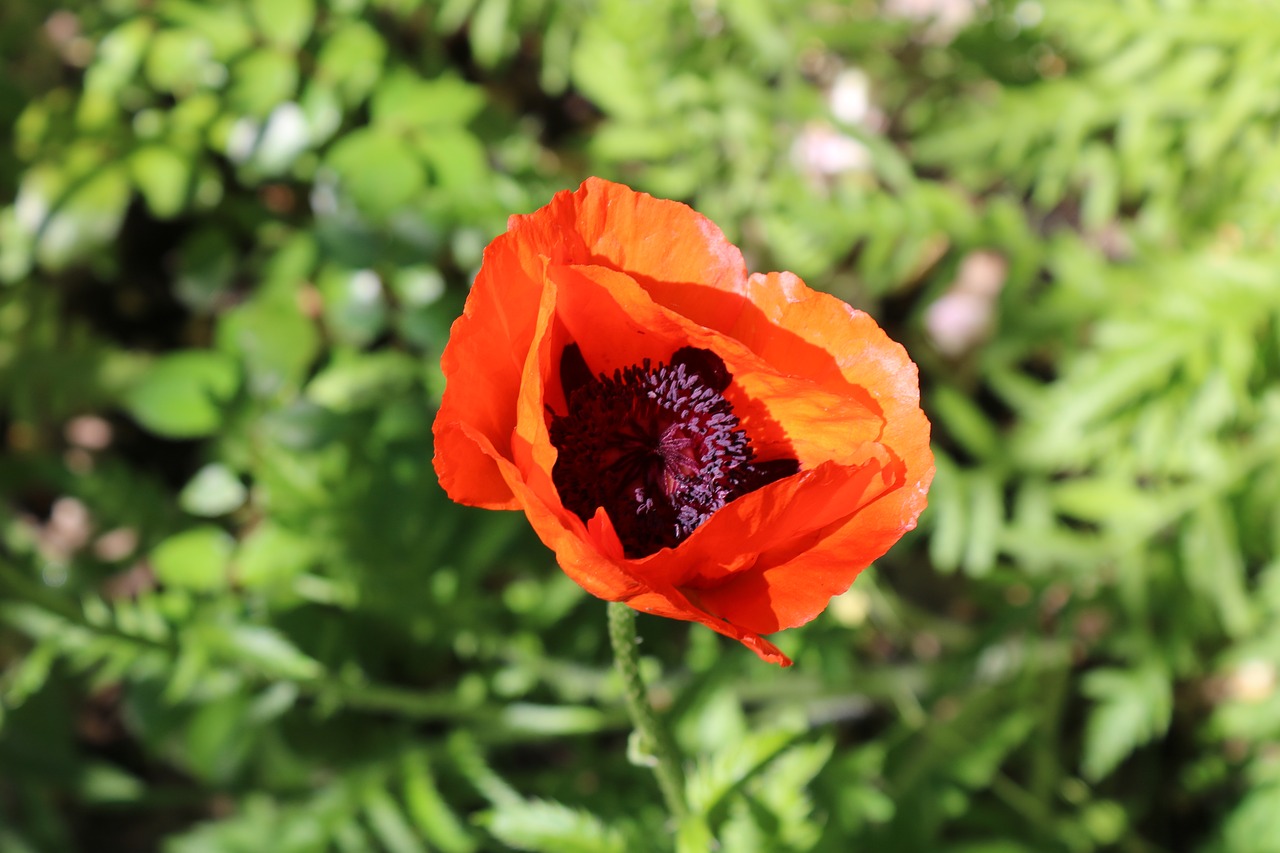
(691, 440)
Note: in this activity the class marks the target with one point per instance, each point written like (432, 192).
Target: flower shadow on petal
(734, 314)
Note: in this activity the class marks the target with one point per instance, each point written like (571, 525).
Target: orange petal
(801, 332)
(813, 335)
(792, 583)
(531, 447)
(515, 445)
(784, 590)
(466, 473)
(617, 324)
(601, 222)
(794, 509)
(654, 238)
(673, 604)
(594, 299)
(592, 554)
(789, 586)
(843, 347)
(565, 534)
(613, 225)
(482, 364)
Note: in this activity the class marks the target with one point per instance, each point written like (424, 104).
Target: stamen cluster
(659, 447)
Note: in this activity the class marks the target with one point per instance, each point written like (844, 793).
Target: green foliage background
(238, 614)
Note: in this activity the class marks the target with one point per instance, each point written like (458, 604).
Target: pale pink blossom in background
(945, 18)
(965, 315)
(88, 431)
(821, 152)
(1253, 681)
(851, 102)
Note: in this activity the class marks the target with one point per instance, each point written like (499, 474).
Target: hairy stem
(654, 738)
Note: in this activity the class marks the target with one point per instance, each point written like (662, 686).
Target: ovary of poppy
(752, 444)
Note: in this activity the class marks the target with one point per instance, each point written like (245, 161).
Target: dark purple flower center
(658, 447)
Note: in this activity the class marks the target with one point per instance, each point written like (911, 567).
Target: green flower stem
(654, 738)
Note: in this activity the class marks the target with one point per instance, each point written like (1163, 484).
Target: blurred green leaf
(549, 827)
(355, 309)
(1216, 569)
(195, 559)
(15, 247)
(270, 651)
(72, 214)
(321, 110)
(272, 555)
(430, 810)
(621, 92)
(226, 24)
(360, 381)
(106, 783)
(489, 31)
(457, 159)
(215, 490)
(181, 61)
(1131, 708)
(120, 56)
(271, 147)
(979, 764)
(182, 395)
(216, 744)
(389, 823)
(377, 170)
(403, 100)
(163, 176)
(1254, 824)
(206, 268)
(714, 777)
(285, 22)
(261, 80)
(351, 60)
(276, 344)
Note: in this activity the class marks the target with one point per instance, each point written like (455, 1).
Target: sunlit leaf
(195, 559)
(182, 395)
